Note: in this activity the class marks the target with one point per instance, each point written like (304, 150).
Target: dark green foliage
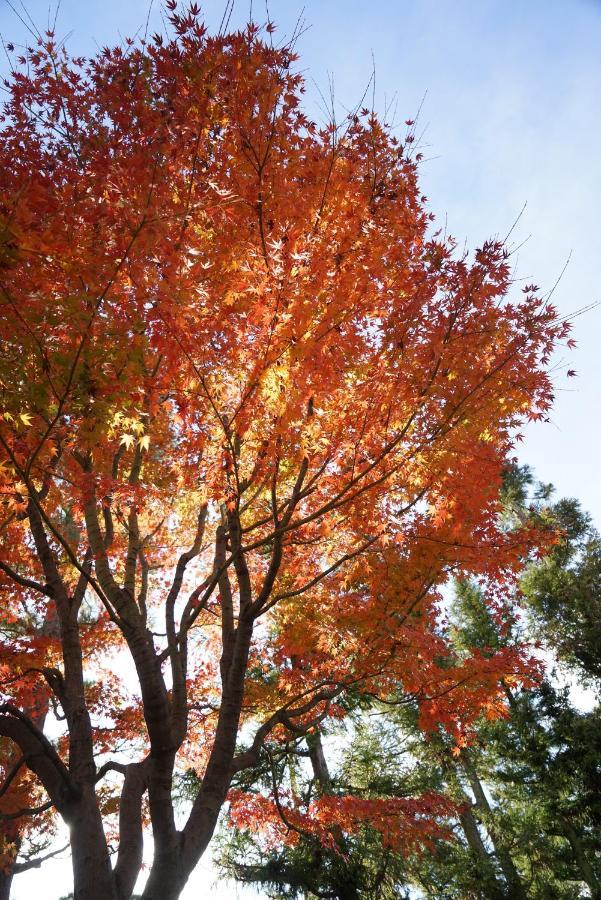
(563, 592)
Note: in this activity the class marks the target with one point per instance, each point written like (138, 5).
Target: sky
(509, 96)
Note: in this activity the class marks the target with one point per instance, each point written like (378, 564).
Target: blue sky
(511, 115)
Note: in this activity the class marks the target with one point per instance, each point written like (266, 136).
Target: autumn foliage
(253, 412)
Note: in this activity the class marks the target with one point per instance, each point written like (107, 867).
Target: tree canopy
(254, 410)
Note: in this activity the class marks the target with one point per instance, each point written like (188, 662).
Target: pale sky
(511, 94)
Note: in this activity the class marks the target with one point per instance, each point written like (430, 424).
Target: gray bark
(476, 845)
(511, 874)
(584, 866)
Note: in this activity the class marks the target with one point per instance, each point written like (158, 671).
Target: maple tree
(252, 413)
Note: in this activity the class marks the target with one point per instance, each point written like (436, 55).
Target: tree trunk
(511, 874)
(346, 889)
(74, 794)
(476, 845)
(318, 762)
(172, 867)
(6, 879)
(92, 873)
(582, 861)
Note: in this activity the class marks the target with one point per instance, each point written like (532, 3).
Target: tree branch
(12, 775)
(25, 582)
(129, 858)
(40, 756)
(37, 862)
